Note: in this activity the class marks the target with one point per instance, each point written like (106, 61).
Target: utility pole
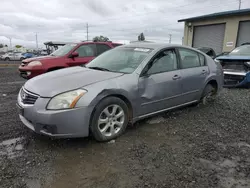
(36, 42)
(87, 27)
(10, 42)
(170, 38)
(239, 4)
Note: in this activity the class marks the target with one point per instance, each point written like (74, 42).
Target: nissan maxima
(121, 86)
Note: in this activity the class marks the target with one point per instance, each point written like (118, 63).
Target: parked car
(68, 55)
(12, 56)
(28, 55)
(236, 67)
(122, 85)
(209, 51)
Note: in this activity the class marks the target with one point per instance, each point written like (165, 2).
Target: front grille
(237, 66)
(28, 97)
(233, 79)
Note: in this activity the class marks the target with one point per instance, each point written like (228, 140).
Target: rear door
(194, 72)
(100, 48)
(86, 52)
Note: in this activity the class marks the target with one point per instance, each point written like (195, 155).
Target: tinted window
(124, 60)
(189, 58)
(63, 50)
(163, 62)
(202, 60)
(102, 48)
(86, 50)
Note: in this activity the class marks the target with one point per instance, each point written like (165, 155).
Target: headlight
(247, 63)
(35, 63)
(65, 100)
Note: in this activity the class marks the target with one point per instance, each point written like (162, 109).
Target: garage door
(243, 32)
(209, 36)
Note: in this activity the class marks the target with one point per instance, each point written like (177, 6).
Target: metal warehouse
(221, 31)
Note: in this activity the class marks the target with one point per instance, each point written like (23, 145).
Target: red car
(69, 55)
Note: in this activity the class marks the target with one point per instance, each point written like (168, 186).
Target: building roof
(218, 14)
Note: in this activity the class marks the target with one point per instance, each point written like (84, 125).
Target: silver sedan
(122, 85)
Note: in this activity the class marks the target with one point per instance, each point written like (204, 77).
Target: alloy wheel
(111, 120)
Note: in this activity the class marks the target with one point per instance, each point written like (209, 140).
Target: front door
(194, 72)
(160, 87)
(86, 52)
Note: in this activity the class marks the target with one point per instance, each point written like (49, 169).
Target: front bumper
(30, 72)
(54, 123)
(236, 79)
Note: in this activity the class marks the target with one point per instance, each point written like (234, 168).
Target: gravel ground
(196, 147)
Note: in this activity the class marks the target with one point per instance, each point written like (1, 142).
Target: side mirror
(74, 54)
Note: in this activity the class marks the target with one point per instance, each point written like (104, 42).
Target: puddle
(11, 148)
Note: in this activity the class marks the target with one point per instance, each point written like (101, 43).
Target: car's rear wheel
(209, 94)
(110, 119)
(21, 58)
(7, 59)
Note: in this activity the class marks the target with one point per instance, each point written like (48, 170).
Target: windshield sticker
(142, 49)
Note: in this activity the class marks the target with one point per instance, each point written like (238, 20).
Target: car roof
(154, 45)
(91, 42)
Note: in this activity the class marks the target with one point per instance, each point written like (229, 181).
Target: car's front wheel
(110, 119)
(7, 59)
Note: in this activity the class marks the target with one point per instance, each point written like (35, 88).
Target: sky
(119, 20)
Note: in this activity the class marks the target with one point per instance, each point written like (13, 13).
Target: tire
(107, 125)
(21, 58)
(208, 94)
(7, 59)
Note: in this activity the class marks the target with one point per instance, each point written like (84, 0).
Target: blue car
(236, 67)
(28, 55)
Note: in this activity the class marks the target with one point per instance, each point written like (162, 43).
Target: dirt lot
(196, 147)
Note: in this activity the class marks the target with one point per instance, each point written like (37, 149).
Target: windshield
(241, 51)
(124, 60)
(63, 50)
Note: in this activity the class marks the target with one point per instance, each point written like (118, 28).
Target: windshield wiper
(99, 68)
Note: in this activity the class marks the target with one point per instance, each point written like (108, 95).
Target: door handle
(176, 77)
(203, 72)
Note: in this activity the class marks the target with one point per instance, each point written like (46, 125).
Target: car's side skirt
(167, 109)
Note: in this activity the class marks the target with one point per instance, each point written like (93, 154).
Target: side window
(164, 62)
(189, 58)
(101, 48)
(202, 60)
(86, 50)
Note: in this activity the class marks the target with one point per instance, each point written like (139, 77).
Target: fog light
(28, 73)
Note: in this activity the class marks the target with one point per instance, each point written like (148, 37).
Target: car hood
(39, 58)
(231, 57)
(53, 83)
